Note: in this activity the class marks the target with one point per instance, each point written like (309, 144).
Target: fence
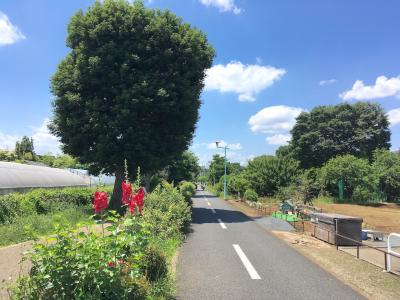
(371, 257)
(374, 255)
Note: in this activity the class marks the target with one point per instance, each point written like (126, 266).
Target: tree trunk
(115, 203)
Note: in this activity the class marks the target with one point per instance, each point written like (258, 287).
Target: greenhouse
(15, 177)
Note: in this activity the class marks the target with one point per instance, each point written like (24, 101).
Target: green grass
(324, 200)
(289, 218)
(30, 227)
(165, 288)
(270, 201)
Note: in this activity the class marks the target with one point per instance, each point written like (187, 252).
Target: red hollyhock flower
(126, 192)
(100, 201)
(140, 199)
(132, 204)
(137, 200)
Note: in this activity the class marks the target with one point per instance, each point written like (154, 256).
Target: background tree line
(348, 143)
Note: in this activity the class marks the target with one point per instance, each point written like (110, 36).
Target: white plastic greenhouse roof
(20, 176)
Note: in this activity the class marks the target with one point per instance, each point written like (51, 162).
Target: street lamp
(223, 147)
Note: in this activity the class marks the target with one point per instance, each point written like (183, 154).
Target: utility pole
(223, 147)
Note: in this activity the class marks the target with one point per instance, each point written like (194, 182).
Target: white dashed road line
(213, 210)
(247, 264)
(222, 224)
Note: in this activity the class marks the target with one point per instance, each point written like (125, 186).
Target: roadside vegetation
(31, 215)
(131, 258)
(338, 154)
(126, 99)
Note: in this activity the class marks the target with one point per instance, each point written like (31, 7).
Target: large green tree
(359, 182)
(129, 88)
(386, 167)
(267, 173)
(216, 170)
(24, 148)
(327, 131)
(185, 167)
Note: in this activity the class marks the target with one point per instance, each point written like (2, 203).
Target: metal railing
(386, 254)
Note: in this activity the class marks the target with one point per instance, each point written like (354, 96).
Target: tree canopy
(328, 131)
(184, 168)
(129, 88)
(24, 148)
(267, 173)
(216, 170)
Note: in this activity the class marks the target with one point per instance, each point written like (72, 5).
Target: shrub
(355, 173)
(267, 173)
(155, 263)
(237, 184)
(250, 195)
(187, 189)
(218, 187)
(128, 263)
(167, 211)
(386, 168)
(89, 266)
(43, 201)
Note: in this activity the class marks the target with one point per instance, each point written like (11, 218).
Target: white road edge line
(247, 264)
(213, 210)
(222, 224)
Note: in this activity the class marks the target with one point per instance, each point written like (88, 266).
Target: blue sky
(274, 59)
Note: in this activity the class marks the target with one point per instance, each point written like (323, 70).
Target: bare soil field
(385, 217)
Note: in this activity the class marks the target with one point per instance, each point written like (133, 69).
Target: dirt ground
(385, 218)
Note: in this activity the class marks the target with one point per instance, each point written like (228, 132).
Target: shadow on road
(203, 215)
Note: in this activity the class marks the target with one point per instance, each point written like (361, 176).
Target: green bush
(250, 195)
(130, 262)
(386, 168)
(287, 192)
(237, 184)
(267, 173)
(43, 201)
(155, 263)
(30, 227)
(357, 175)
(187, 189)
(89, 266)
(167, 211)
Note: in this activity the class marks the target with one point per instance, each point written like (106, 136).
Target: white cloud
(44, 141)
(237, 157)
(327, 82)
(244, 80)
(394, 116)
(384, 87)
(223, 5)
(7, 141)
(274, 119)
(236, 146)
(9, 33)
(278, 139)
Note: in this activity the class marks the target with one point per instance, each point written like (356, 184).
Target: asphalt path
(228, 255)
